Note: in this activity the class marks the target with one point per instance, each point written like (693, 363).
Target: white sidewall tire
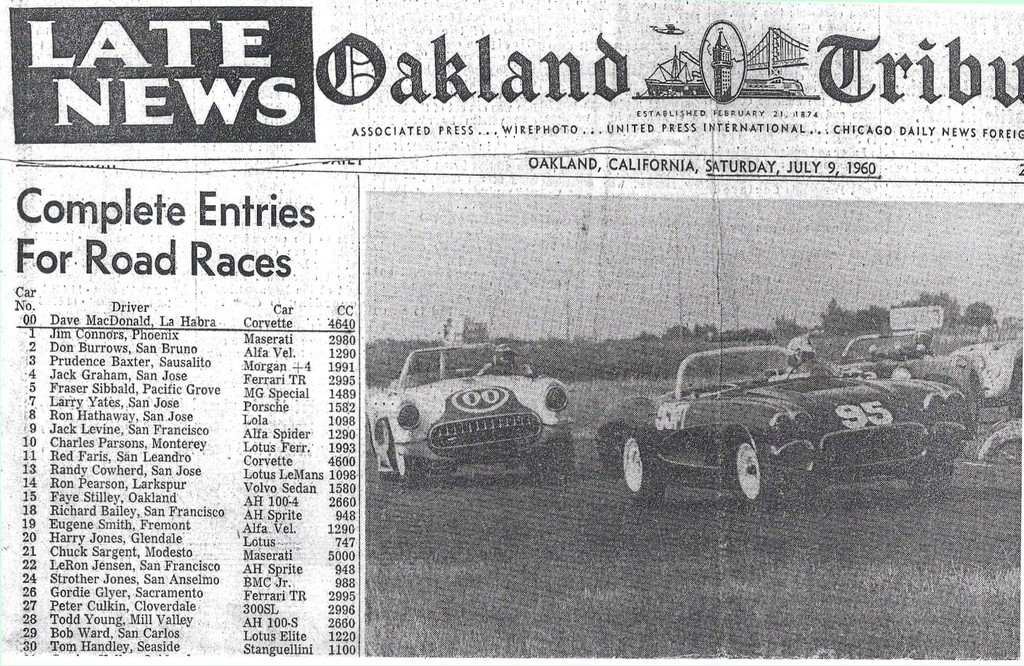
(633, 465)
(748, 471)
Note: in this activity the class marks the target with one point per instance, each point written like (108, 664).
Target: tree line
(657, 356)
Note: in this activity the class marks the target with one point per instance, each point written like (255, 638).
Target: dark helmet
(504, 356)
(923, 342)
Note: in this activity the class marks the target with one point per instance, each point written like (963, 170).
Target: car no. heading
(761, 423)
(469, 404)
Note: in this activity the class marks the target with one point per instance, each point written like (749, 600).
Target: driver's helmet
(806, 356)
(504, 357)
(923, 342)
(873, 350)
(801, 350)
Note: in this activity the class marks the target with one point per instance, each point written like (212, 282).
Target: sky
(537, 266)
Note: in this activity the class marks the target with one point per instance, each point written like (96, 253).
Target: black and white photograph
(663, 427)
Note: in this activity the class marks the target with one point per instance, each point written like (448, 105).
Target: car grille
(875, 445)
(484, 431)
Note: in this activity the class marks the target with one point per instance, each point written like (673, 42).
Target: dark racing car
(988, 373)
(765, 423)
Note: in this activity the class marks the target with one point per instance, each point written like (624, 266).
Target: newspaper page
(639, 329)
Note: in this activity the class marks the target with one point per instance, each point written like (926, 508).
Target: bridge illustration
(776, 51)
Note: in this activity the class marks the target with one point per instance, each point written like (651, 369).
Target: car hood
(827, 402)
(437, 393)
(482, 395)
(819, 397)
(811, 392)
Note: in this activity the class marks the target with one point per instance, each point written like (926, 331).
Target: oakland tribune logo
(724, 70)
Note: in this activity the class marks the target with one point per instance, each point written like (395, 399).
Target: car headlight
(934, 402)
(781, 421)
(949, 408)
(789, 426)
(408, 417)
(793, 448)
(556, 399)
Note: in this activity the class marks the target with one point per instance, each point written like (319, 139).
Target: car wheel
(642, 471)
(399, 468)
(809, 489)
(1007, 453)
(1002, 443)
(750, 481)
(798, 492)
(387, 464)
(396, 466)
(610, 460)
(609, 452)
(413, 470)
(748, 472)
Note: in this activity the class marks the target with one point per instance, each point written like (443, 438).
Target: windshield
(890, 347)
(742, 365)
(434, 365)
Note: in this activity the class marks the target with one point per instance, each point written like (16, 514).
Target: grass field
(481, 564)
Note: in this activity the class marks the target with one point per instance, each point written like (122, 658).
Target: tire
(642, 471)
(403, 469)
(393, 475)
(387, 466)
(750, 484)
(748, 473)
(809, 491)
(610, 460)
(609, 452)
(1006, 453)
(1002, 443)
(413, 470)
(407, 471)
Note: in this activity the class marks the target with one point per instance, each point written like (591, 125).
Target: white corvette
(469, 404)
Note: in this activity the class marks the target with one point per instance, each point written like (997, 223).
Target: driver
(503, 362)
(801, 351)
(923, 344)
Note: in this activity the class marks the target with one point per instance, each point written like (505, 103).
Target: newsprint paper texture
(595, 329)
